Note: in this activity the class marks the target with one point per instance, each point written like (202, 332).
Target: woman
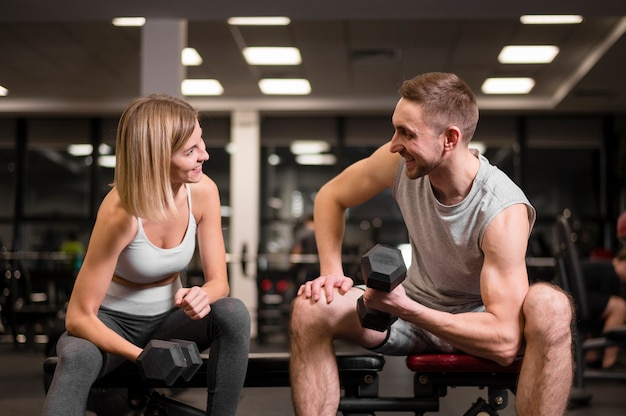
(128, 290)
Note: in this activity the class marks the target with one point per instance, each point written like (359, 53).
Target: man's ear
(452, 137)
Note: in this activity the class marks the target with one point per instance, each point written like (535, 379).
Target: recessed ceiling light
(3, 91)
(201, 87)
(259, 21)
(79, 149)
(84, 149)
(272, 55)
(303, 147)
(107, 161)
(316, 160)
(191, 57)
(528, 54)
(105, 149)
(273, 159)
(129, 21)
(285, 86)
(519, 85)
(549, 19)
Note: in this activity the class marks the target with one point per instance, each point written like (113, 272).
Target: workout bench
(359, 378)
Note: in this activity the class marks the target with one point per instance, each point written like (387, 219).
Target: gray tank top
(446, 239)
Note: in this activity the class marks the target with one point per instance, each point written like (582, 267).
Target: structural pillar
(244, 199)
(162, 43)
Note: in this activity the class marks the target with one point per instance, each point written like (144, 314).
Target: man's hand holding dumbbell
(383, 269)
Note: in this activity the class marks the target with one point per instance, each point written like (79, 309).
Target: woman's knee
(231, 314)
(80, 354)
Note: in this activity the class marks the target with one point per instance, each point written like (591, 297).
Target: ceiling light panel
(271, 55)
(316, 160)
(546, 19)
(303, 147)
(129, 21)
(528, 54)
(259, 21)
(191, 57)
(80, 149)
(201, 87)
(516, 85)
(285, 86)
(107, 161)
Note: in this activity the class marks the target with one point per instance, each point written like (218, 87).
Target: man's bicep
(504, 278)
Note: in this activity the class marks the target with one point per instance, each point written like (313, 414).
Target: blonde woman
(128, 290)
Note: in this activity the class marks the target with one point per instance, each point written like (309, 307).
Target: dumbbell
(168, 360)
(382, 268)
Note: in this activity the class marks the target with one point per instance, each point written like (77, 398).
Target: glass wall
(560, 162)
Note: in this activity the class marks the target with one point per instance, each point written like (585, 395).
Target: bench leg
(498, 400)
(160, 405)
(116, 401)
(364, 386)
(481, 407)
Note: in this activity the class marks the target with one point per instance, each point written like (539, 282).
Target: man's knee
(548, 308)
(303, 310)
(310, 316)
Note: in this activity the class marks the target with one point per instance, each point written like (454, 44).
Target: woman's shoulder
(205, 198)
(113, 213)
(204, 188)
(114, 227)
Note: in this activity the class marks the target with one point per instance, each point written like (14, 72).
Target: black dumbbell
(168, 360)
(383, 269)
(192, 356)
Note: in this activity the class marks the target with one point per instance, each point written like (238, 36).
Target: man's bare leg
(313, 365)
(547, 370)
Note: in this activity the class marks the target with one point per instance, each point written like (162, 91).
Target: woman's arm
(113, 230)
(207, 211)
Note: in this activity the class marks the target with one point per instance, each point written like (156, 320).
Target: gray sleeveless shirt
(446, 239)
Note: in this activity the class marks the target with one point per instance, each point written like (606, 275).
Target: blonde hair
(149, 132)
(446, 100)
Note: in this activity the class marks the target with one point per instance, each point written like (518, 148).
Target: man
(467, 287)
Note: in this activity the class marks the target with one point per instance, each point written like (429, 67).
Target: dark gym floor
(21, 388)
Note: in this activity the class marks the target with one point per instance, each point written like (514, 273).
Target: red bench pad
(459, 363)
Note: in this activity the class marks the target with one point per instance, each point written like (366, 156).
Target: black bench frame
(359, 378)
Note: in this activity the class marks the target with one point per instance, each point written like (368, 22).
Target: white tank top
(142, 262)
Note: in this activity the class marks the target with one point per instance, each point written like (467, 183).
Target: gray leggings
(226, 331)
